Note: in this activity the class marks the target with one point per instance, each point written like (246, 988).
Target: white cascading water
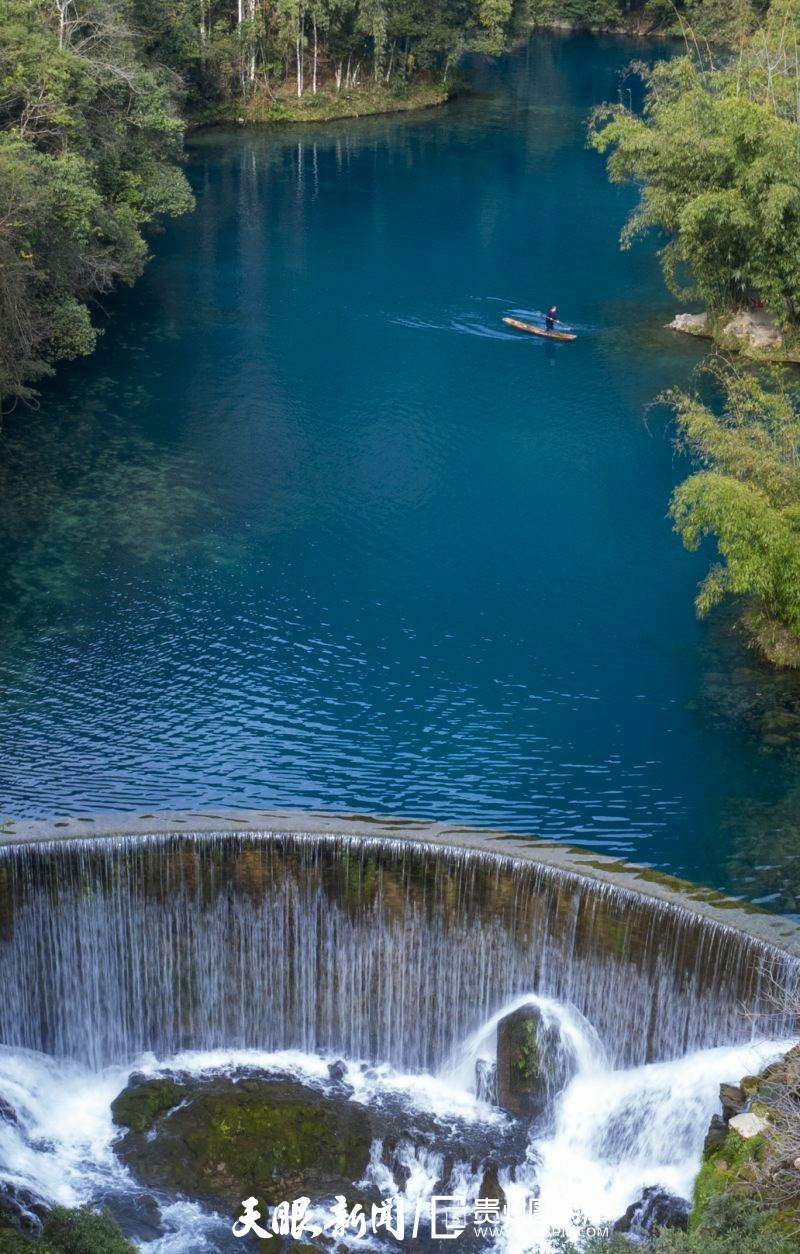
(616, 1131)
(217, 954)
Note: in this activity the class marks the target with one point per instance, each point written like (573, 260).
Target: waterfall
(376, 949)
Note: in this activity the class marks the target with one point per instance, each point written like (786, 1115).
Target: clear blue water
(311, 529)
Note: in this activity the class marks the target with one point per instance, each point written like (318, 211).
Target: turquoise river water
(312, 529)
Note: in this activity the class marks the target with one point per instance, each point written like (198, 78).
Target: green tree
(745, 495)
(716, 162)
(90, 143)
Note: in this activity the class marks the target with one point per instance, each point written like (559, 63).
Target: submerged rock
(219, 1139)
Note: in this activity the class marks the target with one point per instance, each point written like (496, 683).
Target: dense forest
(94, 93)
(90, 142)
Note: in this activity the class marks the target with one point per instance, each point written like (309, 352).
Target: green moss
(527, 1060)
(139, 1105)
(227, 1138)
(723, 1170)
(258, 1142)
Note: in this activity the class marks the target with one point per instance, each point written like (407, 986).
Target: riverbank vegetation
(89, 148)
(730, 1226)
(718, 21)
(231, 53)
(715, 155)
(64, 1231)
(745, 494)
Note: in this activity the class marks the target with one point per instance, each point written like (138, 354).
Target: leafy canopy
(90, 143)
(745, 492)
(716, 157)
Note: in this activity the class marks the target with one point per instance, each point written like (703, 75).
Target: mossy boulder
(532, 1064)
(139, 1105)
(224, 1138)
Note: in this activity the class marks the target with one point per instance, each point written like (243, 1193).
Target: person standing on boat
(550, 317)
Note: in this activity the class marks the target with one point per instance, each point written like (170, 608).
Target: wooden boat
(548, 335)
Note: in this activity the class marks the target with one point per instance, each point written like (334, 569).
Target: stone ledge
(726, 911)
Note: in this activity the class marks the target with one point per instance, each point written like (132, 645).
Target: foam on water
(616, 1132)
(60, 1146)
(278, 954)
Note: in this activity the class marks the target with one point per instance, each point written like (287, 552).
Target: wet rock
(656, 1208)
(490, 1185)
(218, 1139)
(138, 1106)
(716, 1135)
(7, 1113)
(733, 1099)
(532, 1065)
(337, 1074)
(23, 1210)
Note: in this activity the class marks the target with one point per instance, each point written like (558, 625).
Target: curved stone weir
(382, 949)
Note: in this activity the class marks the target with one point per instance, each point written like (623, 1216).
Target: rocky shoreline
(751, 332)
(752, 1149)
